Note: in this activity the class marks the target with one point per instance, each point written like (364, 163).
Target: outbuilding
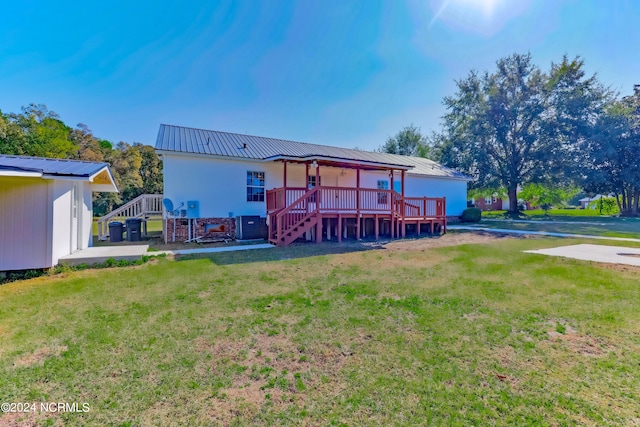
(46, 208)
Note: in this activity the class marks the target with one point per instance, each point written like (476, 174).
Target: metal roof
(215, 143)
(60, 167)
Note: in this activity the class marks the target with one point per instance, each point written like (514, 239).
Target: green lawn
(577, 214)
(464, 335)
(607, 227)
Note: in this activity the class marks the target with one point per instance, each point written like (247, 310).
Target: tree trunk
(513, 198)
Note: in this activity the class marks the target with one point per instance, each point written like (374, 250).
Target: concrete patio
(598, 253)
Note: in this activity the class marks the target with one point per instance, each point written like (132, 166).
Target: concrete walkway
(599, 253)
(539, 233)
(214, 250)
(99, 254)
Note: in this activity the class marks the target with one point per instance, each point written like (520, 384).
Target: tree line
(37, 131)
(520, 126)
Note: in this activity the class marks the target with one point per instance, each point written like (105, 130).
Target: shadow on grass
(294, 251)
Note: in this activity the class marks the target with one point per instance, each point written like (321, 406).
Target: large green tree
(518, 124)
(611, 158)
(409, 141)
(37, 131)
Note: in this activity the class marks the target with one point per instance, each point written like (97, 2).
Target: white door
(76, 211)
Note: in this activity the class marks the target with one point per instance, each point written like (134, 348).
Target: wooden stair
(142, 206)
(292, 222)
(291, 234)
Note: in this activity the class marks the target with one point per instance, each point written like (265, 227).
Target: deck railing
(352, 200)
(280, 198)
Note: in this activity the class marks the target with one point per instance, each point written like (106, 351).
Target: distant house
(586, 201)
(46, 209)
(489, 203)
(497, 203)
(300, 189)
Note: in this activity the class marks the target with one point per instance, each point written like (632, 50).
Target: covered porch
(326, 212)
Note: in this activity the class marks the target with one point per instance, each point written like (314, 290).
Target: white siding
(220, 184)
(24, 217)
(61, 230)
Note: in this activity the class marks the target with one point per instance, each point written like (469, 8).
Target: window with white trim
(255, 186)
(383, 197)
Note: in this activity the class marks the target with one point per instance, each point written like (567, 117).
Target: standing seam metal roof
(209, 142)
(62, 167)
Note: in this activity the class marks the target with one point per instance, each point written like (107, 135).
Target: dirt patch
(24, 419)
(452, 239)
(270, 370)
(581, 344)
(38, 357)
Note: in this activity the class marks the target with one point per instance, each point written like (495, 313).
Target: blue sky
(335, 72)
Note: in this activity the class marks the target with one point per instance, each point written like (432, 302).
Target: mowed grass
(461, 335)
(577, 214)
(611, 227)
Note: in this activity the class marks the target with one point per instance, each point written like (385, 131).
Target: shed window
(255, 186)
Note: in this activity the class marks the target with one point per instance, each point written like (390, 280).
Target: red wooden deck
(329, 211)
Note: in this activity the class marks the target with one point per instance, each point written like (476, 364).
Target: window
(255, 186)
(383, 197)
(487, 200)
(311, 182)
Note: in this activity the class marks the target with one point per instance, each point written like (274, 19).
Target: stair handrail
(133, 208)
(280, 215)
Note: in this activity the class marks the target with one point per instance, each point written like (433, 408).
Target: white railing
(143, 205)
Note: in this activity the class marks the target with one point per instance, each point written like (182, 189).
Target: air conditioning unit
(251, 227)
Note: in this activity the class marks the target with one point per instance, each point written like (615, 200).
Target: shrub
(471, 215)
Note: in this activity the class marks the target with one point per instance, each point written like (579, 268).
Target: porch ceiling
(340, 162)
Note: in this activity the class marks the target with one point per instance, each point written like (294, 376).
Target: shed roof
(47, 168)
(180, 139)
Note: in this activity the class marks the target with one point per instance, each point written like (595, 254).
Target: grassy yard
(608, 227)
(576, 214)
(408, 334)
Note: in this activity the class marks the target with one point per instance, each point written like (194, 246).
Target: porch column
(393, 202)
(318, 186)
(404, 227)
(358, 203)
(284, 178)
(306, 176)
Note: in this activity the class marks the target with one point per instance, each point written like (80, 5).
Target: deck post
(424, 209)
(357, 203)
(319, 229)
(376, 226)
(278, 229)
(339, 228)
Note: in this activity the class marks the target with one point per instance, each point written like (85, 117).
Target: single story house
(299, 188)
(590, 202)
(46, 209)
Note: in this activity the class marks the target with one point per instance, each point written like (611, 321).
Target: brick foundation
(201, 229)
